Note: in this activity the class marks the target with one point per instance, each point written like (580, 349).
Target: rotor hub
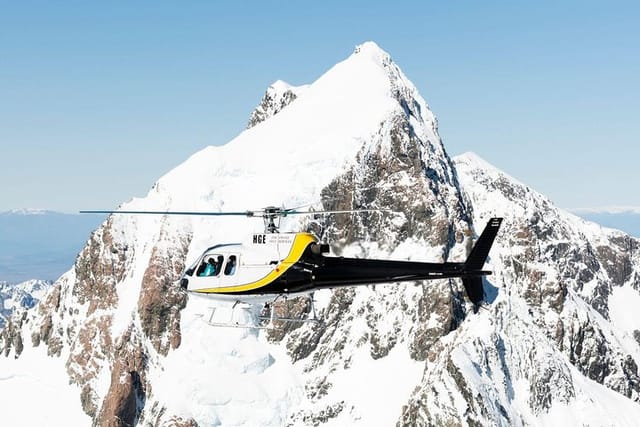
(271, 216)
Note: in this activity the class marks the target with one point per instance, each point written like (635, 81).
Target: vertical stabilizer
(477, 258)
(480, 250)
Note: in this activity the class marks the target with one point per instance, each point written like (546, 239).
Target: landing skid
(275, 322)
(233, 323)
(273, 317)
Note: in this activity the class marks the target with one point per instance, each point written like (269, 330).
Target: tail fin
(480, 250)
(475, 261)
(474, 290)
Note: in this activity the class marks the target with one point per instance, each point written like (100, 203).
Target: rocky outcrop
(277, 96)
(11, 335)
(402, 168)
(99, 267)
(160, 298)
(46, 309)
(564, 270)
(20, 297)
(405, 170)
(158, 308)
(127, 391)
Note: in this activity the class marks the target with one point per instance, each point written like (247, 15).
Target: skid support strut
(253, 321)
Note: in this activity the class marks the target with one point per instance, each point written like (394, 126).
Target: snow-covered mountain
(555, 344)
(21, 296)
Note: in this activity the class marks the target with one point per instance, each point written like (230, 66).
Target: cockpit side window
(210, 266)
(230, 267)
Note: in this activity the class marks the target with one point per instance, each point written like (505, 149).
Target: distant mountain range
(627, 220)
(24, 295)
(40, 244)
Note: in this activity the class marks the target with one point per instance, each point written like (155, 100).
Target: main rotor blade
(245, 213)
(299, 207)
(260, 213)
(287, 212)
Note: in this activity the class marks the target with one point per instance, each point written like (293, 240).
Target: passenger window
(230, 268)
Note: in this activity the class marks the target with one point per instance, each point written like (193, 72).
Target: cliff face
(107, 318)
(526, 358)
(569, 274)
(553, 339)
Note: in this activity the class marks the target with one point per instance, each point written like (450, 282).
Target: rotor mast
(270, 216)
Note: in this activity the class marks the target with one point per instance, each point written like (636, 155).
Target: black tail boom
(315, 271)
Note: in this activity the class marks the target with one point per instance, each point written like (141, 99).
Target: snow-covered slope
(551, 348)
(554, 339)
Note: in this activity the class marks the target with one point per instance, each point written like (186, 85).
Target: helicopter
(270, 266)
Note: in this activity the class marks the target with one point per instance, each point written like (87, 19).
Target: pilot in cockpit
(209, 269)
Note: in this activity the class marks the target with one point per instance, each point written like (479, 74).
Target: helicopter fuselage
(275, 264)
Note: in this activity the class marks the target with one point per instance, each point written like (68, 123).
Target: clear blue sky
(98, 99)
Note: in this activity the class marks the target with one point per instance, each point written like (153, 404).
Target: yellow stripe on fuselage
(300, 243)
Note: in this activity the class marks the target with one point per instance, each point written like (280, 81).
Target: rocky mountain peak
(372, 50)
(278, 95)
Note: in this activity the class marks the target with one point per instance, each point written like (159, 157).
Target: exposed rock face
(403, 168)
(403, 173)
(158, 308)
(278, 96)
(99, 267)
(553, 294)
(79, 320)
(126, 396)
(11, 335)
(160, 299)
(19, 297)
